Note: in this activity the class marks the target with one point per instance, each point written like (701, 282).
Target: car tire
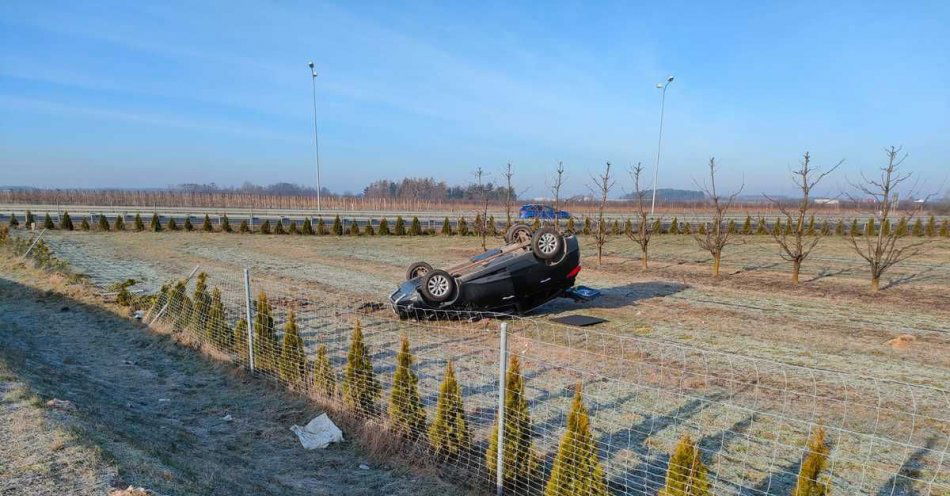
(547, 243)
(418, 269)
(438, 286)
(518, 233)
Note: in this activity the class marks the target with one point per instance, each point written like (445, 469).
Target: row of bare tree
(879, 194)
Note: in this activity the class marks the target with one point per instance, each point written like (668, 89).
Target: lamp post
(316, 143)
(659, 140)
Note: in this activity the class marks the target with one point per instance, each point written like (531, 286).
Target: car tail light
(573, 272)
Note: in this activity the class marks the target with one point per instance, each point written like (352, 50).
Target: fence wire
(749, 420)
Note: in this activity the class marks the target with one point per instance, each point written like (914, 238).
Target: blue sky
(155, 93)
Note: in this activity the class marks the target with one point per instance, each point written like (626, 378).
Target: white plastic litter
(318, 433)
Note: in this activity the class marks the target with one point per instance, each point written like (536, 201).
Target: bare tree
(642, 232)
(481, 227)
(715, 235)
(508, 198)
(799, 243)
(887, 247)
(602, 186)
(556, 189)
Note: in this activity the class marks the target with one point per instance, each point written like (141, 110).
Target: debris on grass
(62, 405)
(318, 433)
(901, 342)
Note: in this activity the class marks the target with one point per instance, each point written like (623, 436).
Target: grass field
(749, 327)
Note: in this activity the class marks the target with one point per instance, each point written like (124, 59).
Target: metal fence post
(502, 373)
(168, 301)
(247, 315)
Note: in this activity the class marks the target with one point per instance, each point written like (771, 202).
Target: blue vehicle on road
(543, 212)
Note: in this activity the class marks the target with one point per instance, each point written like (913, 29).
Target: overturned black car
(531, 269)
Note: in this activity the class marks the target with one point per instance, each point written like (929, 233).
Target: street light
(659, 140)
(316, 144)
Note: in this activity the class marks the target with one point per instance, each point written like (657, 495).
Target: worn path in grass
(149, 412)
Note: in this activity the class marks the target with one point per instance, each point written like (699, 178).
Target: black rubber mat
(579, 320)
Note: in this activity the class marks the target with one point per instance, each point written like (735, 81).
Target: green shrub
(361, 390)
(293, 361)
(293, 228)
(855, 231)
(321, 227)
(188, 225)
(66, 222)
(217, 326)
(449, 436)
(29, 219)
(570, 225)
(587, 225)
(337, 226)
(702, 228)
(119, 224)
(869, 228)
(172, 225)
(536, 224)
(628, 226)
(225, 224)
(239, 339)
(368, 230)
(686, 475)
(657, 226)
(839, 227)
(825, 227)
(810, 229)
(307, 228)
(14, 223)
(446, 227)
(777, 228)
(687, 228)
(731, 227)
(810, 482)
(354, 229)
(156, 224)
(324, 380)
(902, 228)
(886, 227)
(206, 225)
(918, 227)
(201, 305)
(265, 226)
(615, 227)
(279, 227)
(462, 227)
(415, 229)
(266, 346)
(48, 222)
(400, 229)
(674, 226)
(123, 296)
(84, 225)
(518, 456)
(931, 229)
(747, 225)
(244, 227)
(103, 223)
(945, 229)
(406, 414)
(576, 469)
(384, 227)
(762, 228)
(492, 226)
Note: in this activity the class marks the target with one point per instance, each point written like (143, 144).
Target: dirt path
(149, 412)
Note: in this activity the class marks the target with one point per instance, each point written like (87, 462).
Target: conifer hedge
(225, 224)
(576, 469)
(400, 229)
(48, 222)
(415, 229)
(206, 225)
(66, 222)
(384, 227)
(360, 388)
(324, 380)
(293, 360)
(14, 223)
(156, 224)
(103, 223)
(279, 227)
(686, 475)
(449, 435)
(188, 225)
(266, 346)
(337, 226)
(307, 228)
(407, 417)
(265, 227)
(84, 224)
(244, 227)
(810, 481)
(119, 224)
(522, 465)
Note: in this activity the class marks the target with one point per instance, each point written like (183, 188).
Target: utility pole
(316, 143)
(659, 140)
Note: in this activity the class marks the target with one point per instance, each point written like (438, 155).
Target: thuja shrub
(321, 227)
(576, 469)
(449, 435)
(279, 227)
(931, 229)
(400, 229)
(266, 346)
(324, 380)
(354, 229)
(657, 226)
(103, 223)
(492, 226)
(810, 230)
(902, 227)
(570, 225)
(521, 463)
(66, 222)
(415, 229)
(337, 226)
(407, 417)
(188, 225)
(48, 222)
(14, 223)
(225, 224)
(239, 339)
(839, 228)
(825, 227)
(119, 224)
(201, 305)
(536, 224)
(918, 227)
(245, 227)
(217, 325)
(307, 228)
(84, 225)
(886, 227)
(462, 227)
(293, 361)
(587, 225)
(731, 227)
(810, 481)
(628, 226)
(702, 228)
(206, 225)
(674, 226)
(945, 229)
(761, 228)
(29, 219)
(172, 225)
(687, 228)
(686, 474)
(384, 227)
(855, 230)
(265, 227)
(747, 225)
(869, 228)
(293, 228)
(777, 228)
(446, 227)
(368, 230)
(156, 224)
(615, 227)
(360, 388)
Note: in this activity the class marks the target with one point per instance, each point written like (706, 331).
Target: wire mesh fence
(586, 411)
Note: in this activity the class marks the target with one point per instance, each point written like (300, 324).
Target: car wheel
(518, 233)
(547, 243)
(438, 286)
(418, 269)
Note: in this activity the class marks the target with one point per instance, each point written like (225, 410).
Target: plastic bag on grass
(318, 433)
